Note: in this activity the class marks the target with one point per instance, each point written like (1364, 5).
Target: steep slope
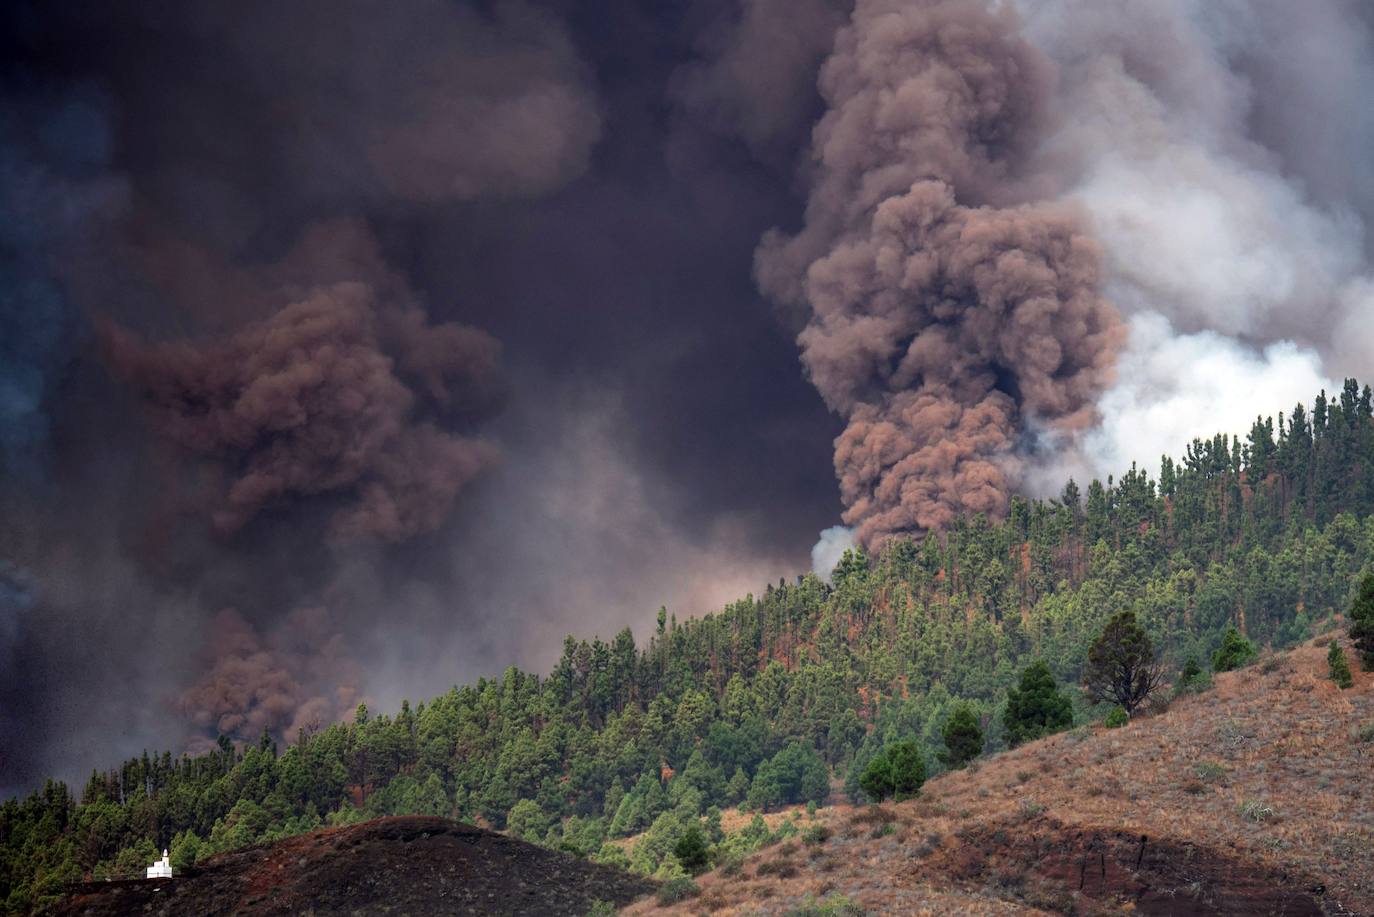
(412, 866)
(1255, 797)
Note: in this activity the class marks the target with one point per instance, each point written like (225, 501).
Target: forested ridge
(763, 701)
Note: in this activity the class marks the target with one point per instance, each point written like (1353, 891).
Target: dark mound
(413, 866)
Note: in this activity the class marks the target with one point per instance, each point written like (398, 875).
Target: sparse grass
(675, 890)
(882, 830)
(834, 906)
(1257, 811)
(1209, 772)
(1269, 772)
(872, 815)
(781, 868)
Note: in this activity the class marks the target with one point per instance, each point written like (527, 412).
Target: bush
(1209, 771)
(602, 908)
(675, 890)
(898, 770)
(1338, 667)
(691, 850)
(834, 906)
(1235, 651)
(963, 738)
(1116, 717)
(1256, 811)
(1362, 622)
(1035, 707)
(1192, 679)
(816, 834)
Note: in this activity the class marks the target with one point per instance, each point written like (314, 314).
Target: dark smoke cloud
(948, 322)
(299, 676)
(314, 209)
(334, 395)
(756, 78)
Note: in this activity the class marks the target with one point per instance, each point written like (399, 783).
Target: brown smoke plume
(947, 321)
(338, 394)
(301, 675)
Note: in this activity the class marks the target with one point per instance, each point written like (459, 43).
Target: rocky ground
(405, 866)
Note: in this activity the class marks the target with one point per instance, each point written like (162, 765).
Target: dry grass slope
(1256, 797)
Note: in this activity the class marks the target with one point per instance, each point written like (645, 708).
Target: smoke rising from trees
(947, 319)
(457, 316)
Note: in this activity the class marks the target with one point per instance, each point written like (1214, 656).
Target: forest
(768, 700)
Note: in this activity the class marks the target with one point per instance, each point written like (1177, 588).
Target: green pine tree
(1235, 651)
(963, 738)
(1340, 670)
(1362, 622)
(1035, 707)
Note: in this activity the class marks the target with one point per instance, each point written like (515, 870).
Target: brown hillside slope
(1256, 797)
(405, 866)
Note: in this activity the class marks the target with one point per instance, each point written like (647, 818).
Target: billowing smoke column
(300, 676)
(339, 394)
(951, 324)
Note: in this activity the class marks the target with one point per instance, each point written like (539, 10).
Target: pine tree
(1340, 670)
(1362, 622)
(1035, 707)
(1235, 651)
(1122, 664)
(963, 738)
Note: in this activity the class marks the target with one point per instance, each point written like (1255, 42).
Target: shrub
(1192, 679)
(1256, 811)
(602, 908)
(1235, 651)
(1116, 717)
(1362, 622)
(1338, 667)
(1365, 733)
(816, 834)
(834, 906)
(898, 770)
(1209, 771)
(691, 850)
(1035, 707)
(963, 738)
(675, 890)
(782, 868)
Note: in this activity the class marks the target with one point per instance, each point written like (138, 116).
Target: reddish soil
(411, 866)
(1067, 869)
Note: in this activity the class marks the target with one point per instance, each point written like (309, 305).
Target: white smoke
(1247, 288)
(828, 550)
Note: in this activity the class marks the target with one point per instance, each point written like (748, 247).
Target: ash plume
(335, 395)
(298, 676)
(948, 320)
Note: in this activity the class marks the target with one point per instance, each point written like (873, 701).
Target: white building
(162, 869)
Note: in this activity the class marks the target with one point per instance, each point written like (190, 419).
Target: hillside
(412, 866)
(1253, 797)
(776, 698)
